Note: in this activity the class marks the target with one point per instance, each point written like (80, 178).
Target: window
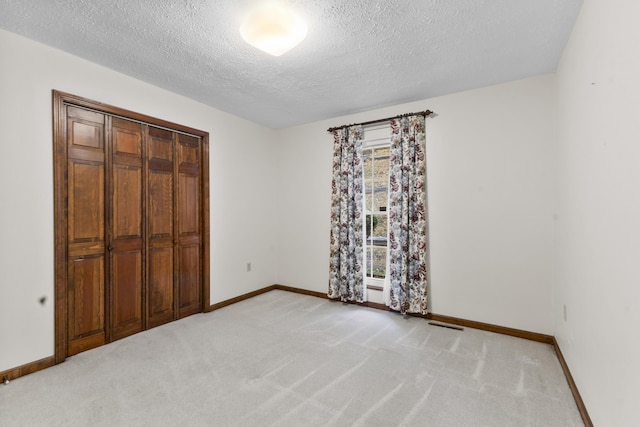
(376, 196)
(378, 187)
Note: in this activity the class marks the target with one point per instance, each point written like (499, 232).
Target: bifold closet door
(126, 225)
(86, 240)
(188, 152)
(161, 237)
(130, 231)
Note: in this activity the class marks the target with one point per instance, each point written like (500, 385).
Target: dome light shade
(273, 28)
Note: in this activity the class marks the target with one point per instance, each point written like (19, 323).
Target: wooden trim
(317, 294)
(323, 295)
(300, 291)
(29, 368)
(586, 419)
(206, 230)
(243, 297)
(126, 114)
(60, 228)
(533, 336)
(519, 333)
(375, 305)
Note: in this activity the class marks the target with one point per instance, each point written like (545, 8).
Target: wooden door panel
(161, 289)
(126, 138)
(189, 207)
(189, 229)
(86, 155)
(85, 129)
(127, 202)
(126, 227)
(161, 254)
(188, 185)
(160, 204)
(86, 201)
(85, 301)
(126, 291)
(189, 280)
(85, 135)
(160, 144)
(188, 150)
(85, 230)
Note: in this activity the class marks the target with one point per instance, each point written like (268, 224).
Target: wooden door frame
(60, 99)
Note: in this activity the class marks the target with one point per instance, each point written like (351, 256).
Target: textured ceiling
(358, 54)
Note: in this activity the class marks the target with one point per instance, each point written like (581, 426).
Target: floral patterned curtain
(346, 277)
(407, 216)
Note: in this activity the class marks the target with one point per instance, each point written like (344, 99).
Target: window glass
(376, 189)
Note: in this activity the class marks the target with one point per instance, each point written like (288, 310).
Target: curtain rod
(421, 113)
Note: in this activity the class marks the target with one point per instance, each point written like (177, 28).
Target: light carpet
(283, 359)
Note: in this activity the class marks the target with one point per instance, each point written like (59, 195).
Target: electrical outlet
(564, 312)
(248, 267)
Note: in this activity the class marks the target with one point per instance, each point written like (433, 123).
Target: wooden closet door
(188, 153)
(131, 222)
(161, 236)
(86, 263)
(126, 249)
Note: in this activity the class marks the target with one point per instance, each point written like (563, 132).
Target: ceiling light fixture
(273, 28)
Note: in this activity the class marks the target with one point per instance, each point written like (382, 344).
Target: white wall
(598, 199)
(243, 192)
(490, 182)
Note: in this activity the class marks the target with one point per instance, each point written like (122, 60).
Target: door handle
(110, 247)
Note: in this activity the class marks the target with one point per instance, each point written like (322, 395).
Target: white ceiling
(358, 54)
